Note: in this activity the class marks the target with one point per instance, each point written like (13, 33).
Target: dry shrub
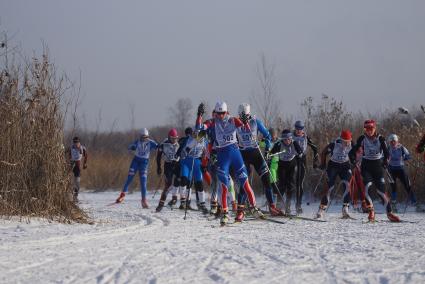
(109, 171)
(34, 174)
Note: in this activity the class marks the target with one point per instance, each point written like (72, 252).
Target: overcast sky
(369, 53)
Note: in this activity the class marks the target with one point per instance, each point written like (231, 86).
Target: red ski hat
(346, 135)
(370, 123)
(173, 133)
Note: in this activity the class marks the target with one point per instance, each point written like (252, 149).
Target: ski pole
(318, 183)
(411, 188)
(334, 195)
(276, 154)
(157, 187)
(268, 169)
(390, 178)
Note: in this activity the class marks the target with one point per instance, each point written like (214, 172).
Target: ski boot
(219, 211)
(224, 219)
(182, 204)
(392, 217)
(394, 206)
(274, 211)
(419, 207)
(145, 204)
(160, 206)
(345, 214)
(203, 208)
(288, 208)
(188, 205)
(321, 212)
(371, 216)
(173, 202)
(214, 206)
(257, 214)
(299, 209)
(120, 198)
(240, 213)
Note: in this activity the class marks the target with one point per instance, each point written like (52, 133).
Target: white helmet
(144, 132)
(393, 137)
(244, 108)
(220, 107)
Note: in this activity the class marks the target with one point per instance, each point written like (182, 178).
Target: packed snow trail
(128, 244)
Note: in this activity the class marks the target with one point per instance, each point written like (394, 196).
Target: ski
(296, 217)
(348, 218)
(264, 218)
(388, 221)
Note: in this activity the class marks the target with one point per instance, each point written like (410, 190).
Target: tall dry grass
(34, 173)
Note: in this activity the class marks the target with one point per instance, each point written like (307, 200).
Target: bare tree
(265, 99)
(181, 113)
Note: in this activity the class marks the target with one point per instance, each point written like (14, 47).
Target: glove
(85, 166)
(266, 153)
(133, 147)
(201, 109)
(158, 170)
(244, 118)
(322, 167)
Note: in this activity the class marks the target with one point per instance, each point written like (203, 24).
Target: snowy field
(131, 245)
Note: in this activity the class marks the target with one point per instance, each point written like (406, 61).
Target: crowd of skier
(219, 152)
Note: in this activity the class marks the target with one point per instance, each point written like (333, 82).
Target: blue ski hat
(299, 125)
(286, 134)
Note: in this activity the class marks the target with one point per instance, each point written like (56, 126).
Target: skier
(272, 162)
(398, 154)
(191, 152)
(228, 154)
(374, 148)
(288, 150)
(77, 153)
(303, 140)
(249, 147)
(142, 148)
(169, 148)
(338, 165)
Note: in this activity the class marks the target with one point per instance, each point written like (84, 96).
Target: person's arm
(298, 148)
(384, 148)
(421, 145)
(276, 148)
(158, 159)
(406, 154)
(85, 157)
(313, 147)
(182, 145)
(328, 149)
(153, 145)
(132, 146)
(353, 152)
(266, 134)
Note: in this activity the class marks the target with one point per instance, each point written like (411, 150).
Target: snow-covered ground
(128, 244)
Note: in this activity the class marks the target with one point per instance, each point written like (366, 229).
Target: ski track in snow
(128, 244)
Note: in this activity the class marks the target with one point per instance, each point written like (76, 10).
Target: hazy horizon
(370, 54)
